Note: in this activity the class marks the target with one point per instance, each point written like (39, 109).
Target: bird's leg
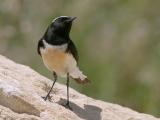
(55, 79)
(67, 104)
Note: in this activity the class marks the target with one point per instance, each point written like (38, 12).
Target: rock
(21, 91)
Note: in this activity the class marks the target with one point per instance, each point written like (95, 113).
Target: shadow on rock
(89, 112)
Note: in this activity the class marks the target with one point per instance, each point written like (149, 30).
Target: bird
(59, 53)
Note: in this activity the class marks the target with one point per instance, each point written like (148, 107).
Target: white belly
(58, 61)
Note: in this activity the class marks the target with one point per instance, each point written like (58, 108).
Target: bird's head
(61, 25)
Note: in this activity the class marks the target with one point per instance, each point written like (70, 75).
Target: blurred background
(118, 43)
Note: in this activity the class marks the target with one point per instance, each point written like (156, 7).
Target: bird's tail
(85, 81)
(79, 77)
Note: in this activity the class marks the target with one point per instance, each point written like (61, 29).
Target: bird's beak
(71, 19)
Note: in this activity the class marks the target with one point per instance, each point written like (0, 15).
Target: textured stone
(21, 89)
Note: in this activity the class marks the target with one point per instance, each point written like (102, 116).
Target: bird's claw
(67, 105)
(47, 97)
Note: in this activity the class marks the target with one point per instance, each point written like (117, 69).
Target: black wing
(72, 49)
(40, 44)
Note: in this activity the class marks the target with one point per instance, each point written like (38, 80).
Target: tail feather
(85, 81)
(79, 77)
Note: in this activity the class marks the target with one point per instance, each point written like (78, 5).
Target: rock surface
(21, 89)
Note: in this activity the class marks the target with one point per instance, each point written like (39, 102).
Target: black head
(62, 25)
(58, 31)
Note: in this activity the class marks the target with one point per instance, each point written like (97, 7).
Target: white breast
(55, 47)
(56, 59)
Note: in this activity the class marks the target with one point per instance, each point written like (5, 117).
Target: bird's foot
(67, 105)
(47, 97)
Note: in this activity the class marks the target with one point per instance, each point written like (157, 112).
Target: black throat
(56, 37)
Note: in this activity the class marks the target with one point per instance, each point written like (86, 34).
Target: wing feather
(72, 49)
